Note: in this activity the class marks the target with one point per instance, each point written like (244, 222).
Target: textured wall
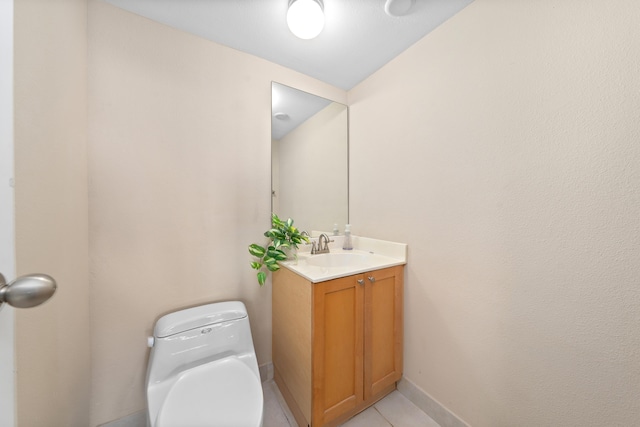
(179, 186)
(504, 148)
(50, 105)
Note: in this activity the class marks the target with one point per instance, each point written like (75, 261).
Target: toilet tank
(198, 335)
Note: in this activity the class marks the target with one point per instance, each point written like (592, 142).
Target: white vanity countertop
(370, 254)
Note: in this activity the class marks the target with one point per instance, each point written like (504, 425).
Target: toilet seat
(224, 393)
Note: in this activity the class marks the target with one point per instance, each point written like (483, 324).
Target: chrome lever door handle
(27, 291)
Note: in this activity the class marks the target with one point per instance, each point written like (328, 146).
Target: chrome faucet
(321, 249)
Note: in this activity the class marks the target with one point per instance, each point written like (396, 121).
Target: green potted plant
(281, 235)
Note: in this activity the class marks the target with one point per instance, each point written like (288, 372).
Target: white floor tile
(401, 412)
(368, 418)
(273, 412)
(394, 410)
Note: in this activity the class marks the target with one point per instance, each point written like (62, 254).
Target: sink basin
(367, 255)
(338, 260)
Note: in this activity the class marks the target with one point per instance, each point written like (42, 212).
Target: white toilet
(203, 370)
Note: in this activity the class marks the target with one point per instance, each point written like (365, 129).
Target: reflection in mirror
(309, 159)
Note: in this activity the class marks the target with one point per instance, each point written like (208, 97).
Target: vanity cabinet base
(337, 345)
(299, 416)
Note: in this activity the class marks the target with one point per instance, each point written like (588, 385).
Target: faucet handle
(313, 247)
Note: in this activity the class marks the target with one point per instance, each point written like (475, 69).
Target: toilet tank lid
(197, 317)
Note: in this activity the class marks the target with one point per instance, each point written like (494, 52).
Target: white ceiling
(296, 105)
(358, 37)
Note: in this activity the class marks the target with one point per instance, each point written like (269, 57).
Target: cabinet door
(337, 348)
(383, 330)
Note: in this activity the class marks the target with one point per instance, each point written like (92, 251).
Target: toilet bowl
(203, 370)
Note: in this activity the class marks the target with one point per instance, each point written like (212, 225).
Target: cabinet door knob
(371, 279)
(360, 281)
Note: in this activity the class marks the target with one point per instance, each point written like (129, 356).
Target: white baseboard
(137, 419)
(429, 405)
(266, 371)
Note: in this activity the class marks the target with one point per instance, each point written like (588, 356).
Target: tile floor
(395, 410)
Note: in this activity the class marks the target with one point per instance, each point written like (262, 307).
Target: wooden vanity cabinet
(337, 345)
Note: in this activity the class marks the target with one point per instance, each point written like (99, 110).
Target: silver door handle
(27, 291)
(371, 279)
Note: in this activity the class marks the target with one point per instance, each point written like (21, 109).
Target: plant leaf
(282, 234)
(276, 222)
(273, 267)
(257, 250)
(262, 277)
(277, 254)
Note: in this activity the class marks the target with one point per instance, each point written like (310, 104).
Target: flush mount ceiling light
(398, 7)
(305, 18)
(281, 116)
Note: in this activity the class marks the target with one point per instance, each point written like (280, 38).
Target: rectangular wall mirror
(309, 159)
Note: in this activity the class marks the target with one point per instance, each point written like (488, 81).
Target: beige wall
(312, 183)
(179, 165)
(504, 148)
(509, 163)
(52, 341)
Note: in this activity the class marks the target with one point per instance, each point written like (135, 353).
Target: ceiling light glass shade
(305, 18)
(398, 7)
